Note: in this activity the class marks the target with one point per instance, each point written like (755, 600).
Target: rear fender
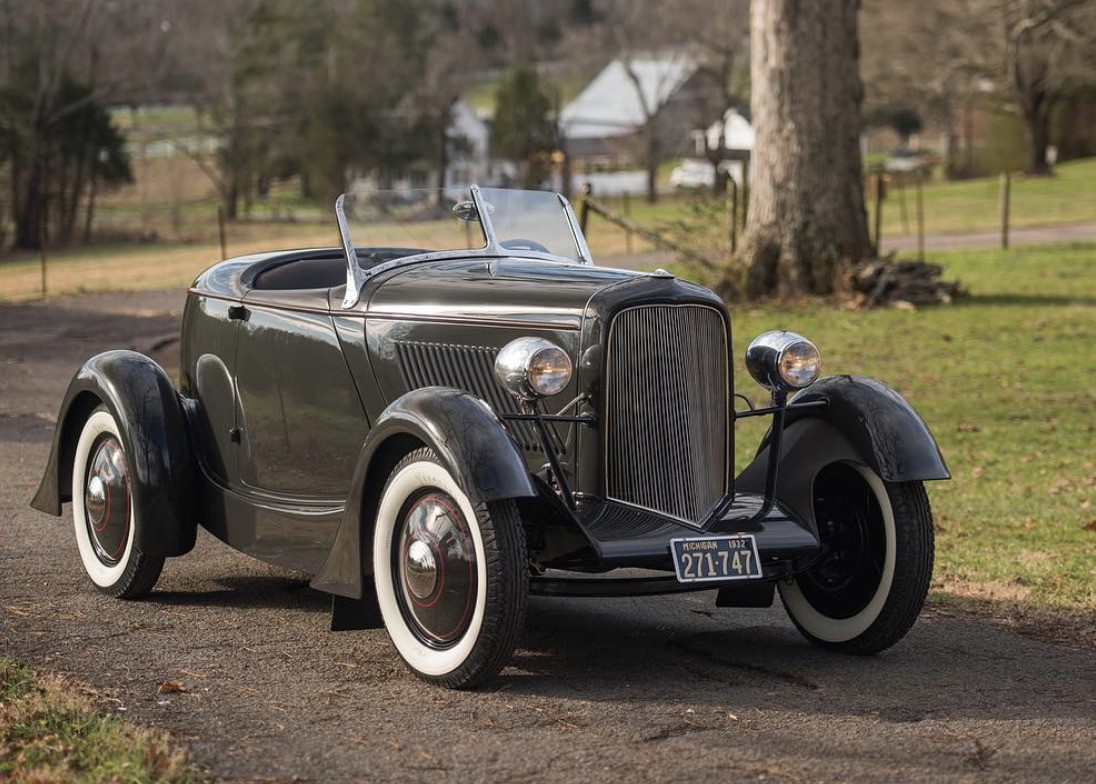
(156, 439)
(468, 438)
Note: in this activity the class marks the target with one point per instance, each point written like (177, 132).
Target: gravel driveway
(665, 689)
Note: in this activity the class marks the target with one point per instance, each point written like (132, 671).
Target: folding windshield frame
(356, 277)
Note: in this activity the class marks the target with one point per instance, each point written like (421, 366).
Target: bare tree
(1049, 50)
(61, 63)
(933, 57)
(806, 218)
(717, 32)
(448, 58)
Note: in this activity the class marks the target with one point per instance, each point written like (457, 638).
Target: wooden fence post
(627, 207)
(920, 216)
(584, 209)
(732, 212)
(880, 195)
(1006, 193)
(42, 233)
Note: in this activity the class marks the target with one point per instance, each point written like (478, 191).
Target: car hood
(510, 291)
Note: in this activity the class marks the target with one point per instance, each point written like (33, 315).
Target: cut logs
(881, 282)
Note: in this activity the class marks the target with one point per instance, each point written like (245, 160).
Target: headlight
(783, 360)
(533, 367)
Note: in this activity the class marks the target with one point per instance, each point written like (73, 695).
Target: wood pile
(901, 284)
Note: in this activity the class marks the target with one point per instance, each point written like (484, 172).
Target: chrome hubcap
(434, 568)
(106, 500)
(96, 499)
(422, 569)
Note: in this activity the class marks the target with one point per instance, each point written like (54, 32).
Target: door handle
(237, 313)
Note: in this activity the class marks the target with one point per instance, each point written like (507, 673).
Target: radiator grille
(667, 398)
(471, 368)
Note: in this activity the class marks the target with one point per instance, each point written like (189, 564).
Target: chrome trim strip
(570, 324)
(565, 323)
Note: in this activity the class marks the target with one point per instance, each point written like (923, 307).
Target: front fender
(468, 438)
(154, 433)
(882, 427)
(863, 421)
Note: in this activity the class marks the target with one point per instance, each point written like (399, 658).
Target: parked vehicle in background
(698, 173)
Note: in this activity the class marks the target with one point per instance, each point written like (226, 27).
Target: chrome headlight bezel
(533, 368)
(783, 361)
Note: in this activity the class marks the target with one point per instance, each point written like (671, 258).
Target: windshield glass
(530, 220)
(412, 220)
(388, 224)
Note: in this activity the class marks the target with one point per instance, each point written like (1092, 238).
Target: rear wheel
(104, 516)
(451, 578)
(866, 592)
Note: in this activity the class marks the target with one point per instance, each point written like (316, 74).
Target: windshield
(389, 224)
(531, 220)
(411, 220)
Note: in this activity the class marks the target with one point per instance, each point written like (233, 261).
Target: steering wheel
(519, 243)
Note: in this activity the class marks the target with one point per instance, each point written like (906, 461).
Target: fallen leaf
(171, 687)
(967, 427)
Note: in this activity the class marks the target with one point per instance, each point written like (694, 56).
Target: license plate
(716, 558)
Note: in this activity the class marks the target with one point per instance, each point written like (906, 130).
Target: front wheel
(103, 512)
(451, 578)
(868, 588)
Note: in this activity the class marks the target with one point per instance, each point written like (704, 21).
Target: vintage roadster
(435, 434)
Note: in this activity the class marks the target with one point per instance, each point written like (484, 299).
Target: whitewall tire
(451, 578)
(867, 590)
(103, 513)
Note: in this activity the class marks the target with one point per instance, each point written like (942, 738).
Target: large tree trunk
(806, 214)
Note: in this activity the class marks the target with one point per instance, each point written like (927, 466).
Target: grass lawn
(51, 731)
(1004, 380)
(1068, 197)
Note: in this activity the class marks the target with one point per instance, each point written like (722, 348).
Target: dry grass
(52, 732)
(131, 267)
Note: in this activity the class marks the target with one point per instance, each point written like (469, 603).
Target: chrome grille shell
(666, 417)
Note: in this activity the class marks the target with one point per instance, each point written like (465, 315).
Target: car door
(301, 423)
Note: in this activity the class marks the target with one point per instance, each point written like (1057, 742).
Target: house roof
(610, 104)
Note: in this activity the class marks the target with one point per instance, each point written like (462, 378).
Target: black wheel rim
(107, 501)
(434, 568)
(854, 540)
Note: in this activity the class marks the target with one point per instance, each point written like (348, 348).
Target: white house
(607, 115)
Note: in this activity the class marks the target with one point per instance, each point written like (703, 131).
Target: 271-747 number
(716, 558)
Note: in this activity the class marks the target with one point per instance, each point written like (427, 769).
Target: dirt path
(601, 690)
(991, 238)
